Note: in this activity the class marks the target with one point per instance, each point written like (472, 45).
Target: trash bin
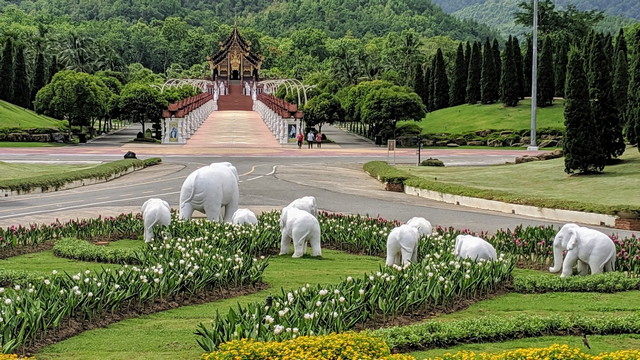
(82, 138)
(378, 139)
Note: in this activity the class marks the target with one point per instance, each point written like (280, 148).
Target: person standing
(310, 138)
(300, 139)
(319, 140)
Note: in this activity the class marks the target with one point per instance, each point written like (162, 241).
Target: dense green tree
(21, 91)
(508, 81)
(633, 102)
(39, 77)
(419, 83)
(429, 85)
(473, 78)
(526, 68)
(581, 147)
(546, 86)
(620, 88)
(560, 67)
(354, 96)
(440, 83)
(467, 57)
(621, 43)
(497, 61)
(488, 86)
(141, 103)
(383, 108)
(54, 67)
(323, 109)
(7, 72)
(603, 105)
(517, 57)
(571, 20)
(75, 96)
(459, 79)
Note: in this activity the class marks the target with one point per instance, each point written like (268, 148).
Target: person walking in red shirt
(300, 139)
(319, 140)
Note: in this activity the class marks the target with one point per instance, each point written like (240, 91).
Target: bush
(608, 282)
(431, 162)
(554, 351)
(328, 347)
(385, 172)
(71, 248)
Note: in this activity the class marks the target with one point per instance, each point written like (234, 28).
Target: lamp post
(534, 78)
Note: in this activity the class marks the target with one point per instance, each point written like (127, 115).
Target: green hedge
(57, 181)
(442, 334)
(12, 277)
(387, 173)
(608, 282)
(84, 251)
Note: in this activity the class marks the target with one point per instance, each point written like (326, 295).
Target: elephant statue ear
(166, 204)
(283, 217)
(144, 206)
(573, 239)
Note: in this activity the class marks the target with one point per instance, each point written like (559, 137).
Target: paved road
(269, 179)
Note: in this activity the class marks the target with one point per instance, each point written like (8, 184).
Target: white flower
(116, 286)
(76, 277)
(335, 314)
(466, 276)
(336, 291)
(295, 330)
(323, 292)
(90, 294)
(341, 299)
(349, 278)
(78, 292)
(17, 287)
(268, 319)
(278, 329)
(361, 291)
(87, 272)
(86, 280)
(318, 303)
(47, 282)
(7, 301)
(54, 272)
(308, 316)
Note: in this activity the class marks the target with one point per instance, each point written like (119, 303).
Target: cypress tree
(432, 92)
(633, 100)
(560, 68)
(546, 86)
(607, 45)
(21, 93)
(459, 81)
(473, 78)
(497, 62)
(7, 72)
(419, 84)
(53, 68)
(620, 87)
(427, 99)
(467, 58)
(582, 151)
(441, 83)
(517, 56)
(621, 43)
(39, 77)
(603, 105)
(488, 86)
(508, 83)
(526, 68)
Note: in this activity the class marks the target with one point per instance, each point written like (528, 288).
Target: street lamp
(534, 78)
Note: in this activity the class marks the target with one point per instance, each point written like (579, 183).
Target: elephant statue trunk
(557, 259)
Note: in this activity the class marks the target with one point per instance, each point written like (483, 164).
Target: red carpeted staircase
(235, 100)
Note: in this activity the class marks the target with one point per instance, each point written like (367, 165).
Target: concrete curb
(526, 210)
(70, 185)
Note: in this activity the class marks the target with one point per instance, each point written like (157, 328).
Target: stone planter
(394, 187)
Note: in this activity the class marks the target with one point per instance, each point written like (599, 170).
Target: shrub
(555, 351)
(431, 162)
(328, 347)
(72, 248)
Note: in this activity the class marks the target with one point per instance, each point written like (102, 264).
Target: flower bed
(559, 352)
(328, 347)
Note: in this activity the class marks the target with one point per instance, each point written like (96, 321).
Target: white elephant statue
(154, 212)
(402, 245)
(300, 227)
(306, 203)
(244, 216)
(212, 190)
(422, 224)
(590, 248)
(474, 248)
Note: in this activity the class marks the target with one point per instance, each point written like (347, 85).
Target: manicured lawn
(10, 144)
(25, 170)
(169, 334)
(466, 118)
(617, 185)
(15, 117)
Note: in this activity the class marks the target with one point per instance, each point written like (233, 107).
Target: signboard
(391, 145)
(173, 131)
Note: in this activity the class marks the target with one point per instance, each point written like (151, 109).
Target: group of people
(311, 138)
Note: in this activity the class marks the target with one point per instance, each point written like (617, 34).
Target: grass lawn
(169, 334)
(25, 170)
(15, 117)
(467, 118)
(617, 185)
(11, 144)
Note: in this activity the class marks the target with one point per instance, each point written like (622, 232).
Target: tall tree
(419, 83)
(603, 105)
(39, 76)
(467, 57)
(440, 83)
(459, 80)
(432, 85)
(620, 88)
(429, 84)
(546, 86)
(7, 72)
(21, 93)
(526, 68)
(582, 150)
(517, 56)
(508, 82)
(383, 108)
(633, 102)
(497, 62)
(560, 67)
(141, 103)
(473, 78)
(573, 21)
(54, 67)
(621, 43)
(323, 109)
(488, 76)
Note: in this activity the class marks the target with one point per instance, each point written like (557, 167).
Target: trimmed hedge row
(103, 171)
(77, 249)
(442, 334)
(607, 283)
(554, 351)
(387, 173)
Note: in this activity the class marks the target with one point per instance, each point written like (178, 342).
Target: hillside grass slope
(13, 117)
